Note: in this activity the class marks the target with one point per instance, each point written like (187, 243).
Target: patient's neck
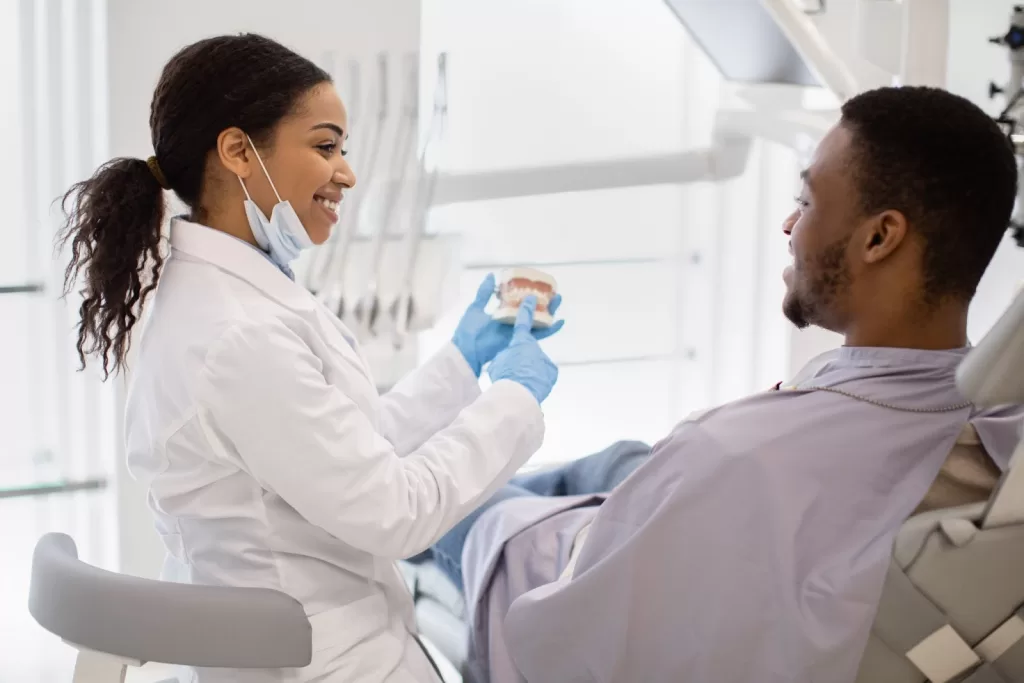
(934, 328)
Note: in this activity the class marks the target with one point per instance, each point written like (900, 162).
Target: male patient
(751, 544)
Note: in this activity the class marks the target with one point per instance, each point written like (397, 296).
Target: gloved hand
(480, 337)
(524, 361)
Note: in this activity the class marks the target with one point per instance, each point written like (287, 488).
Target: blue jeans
(598, 473)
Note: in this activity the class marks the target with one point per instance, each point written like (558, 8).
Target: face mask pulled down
(282, 236)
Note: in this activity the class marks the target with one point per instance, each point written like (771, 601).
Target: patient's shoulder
(820, 431)
(775, 420)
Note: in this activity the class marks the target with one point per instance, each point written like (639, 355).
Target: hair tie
(154, 168)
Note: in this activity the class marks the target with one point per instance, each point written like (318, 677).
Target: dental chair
(117, 621)
(952, 609)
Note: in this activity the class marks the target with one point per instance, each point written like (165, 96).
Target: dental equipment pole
(1014, 40)
(402, 310)
(821, 58)
(368, 308)
(335, 300)
(1010, 117)
(323, 257)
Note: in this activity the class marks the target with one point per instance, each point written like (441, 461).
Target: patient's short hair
(947, 166)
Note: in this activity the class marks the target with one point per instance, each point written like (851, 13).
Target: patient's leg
(597, 473)
(447, 551)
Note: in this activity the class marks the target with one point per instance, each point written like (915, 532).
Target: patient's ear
(884, 234)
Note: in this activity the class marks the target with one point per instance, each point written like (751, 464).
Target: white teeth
(332, 205)
(517, 294)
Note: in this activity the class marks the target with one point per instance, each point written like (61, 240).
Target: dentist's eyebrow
(330, 126)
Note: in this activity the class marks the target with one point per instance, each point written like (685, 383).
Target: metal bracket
(100, 667)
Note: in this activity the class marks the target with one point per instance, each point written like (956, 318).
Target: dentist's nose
(344, 175)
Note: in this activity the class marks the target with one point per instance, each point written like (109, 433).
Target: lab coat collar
(239, 259)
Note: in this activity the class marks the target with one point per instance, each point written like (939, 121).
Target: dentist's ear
(234, 152)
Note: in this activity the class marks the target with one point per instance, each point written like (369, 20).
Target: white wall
(594, 80)
(143, 35)
(57, 423)
(58, 419)
(671, 302)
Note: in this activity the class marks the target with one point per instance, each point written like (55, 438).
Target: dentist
(271, 460)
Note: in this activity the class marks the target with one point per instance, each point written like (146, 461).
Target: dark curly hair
(113, 220)
(947, 166)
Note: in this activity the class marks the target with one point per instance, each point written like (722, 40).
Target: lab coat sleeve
(690, 579)
(427, 399)
(267, 407)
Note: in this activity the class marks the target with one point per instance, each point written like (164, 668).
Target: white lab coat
(271, 460)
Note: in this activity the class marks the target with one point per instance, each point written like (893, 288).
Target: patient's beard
(815, 289)
(793, 308)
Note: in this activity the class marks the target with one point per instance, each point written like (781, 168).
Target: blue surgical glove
(523, 361)
(480, 337)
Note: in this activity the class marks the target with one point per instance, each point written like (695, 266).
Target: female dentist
(271, 461)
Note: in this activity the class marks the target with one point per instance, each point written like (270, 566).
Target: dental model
(515, 285)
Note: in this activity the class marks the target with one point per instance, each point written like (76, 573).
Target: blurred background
(669, 265)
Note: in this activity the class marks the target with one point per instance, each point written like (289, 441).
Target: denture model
(518, 283)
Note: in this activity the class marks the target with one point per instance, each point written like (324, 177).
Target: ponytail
(113, 226)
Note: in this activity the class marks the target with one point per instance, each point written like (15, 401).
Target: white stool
(117, 621)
